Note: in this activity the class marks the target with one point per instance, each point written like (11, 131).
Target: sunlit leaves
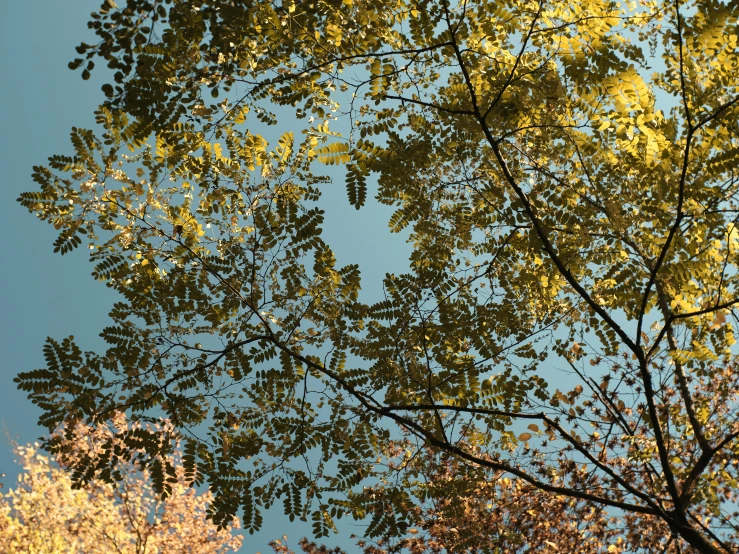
(44, 512)
(571, 213)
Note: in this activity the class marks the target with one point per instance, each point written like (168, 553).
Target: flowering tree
(45, 513)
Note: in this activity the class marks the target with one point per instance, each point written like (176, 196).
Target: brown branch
(682, 382)
(700, 466)
(725, 106)
(550, 422)
(565, 272)
(681, 186)
(509, 80)
(683, 90)
(428, 105)
(383, 411)
(531, 213)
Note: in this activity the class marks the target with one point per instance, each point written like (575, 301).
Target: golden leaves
(334, 153)
(538, 185)
(99, 516)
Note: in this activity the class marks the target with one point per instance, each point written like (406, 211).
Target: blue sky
(45, 294)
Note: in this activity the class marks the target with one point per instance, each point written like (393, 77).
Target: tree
(459, 501)
(567, 315)
(46, 514)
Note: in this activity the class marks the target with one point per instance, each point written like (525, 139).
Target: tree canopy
(566, 174)
(462, 512)
(44, 514)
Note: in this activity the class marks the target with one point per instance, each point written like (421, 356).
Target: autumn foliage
(561, 338)
(45, 514)
(463, 510)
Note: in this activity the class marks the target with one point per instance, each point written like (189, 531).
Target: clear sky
(44, 294)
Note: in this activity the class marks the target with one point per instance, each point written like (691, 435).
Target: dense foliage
(465, 511)
(566, 174)
(44, 514)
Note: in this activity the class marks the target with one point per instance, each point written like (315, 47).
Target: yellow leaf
(524, 436)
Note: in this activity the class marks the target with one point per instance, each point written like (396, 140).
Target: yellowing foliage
(45, 514)
(565, 174)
